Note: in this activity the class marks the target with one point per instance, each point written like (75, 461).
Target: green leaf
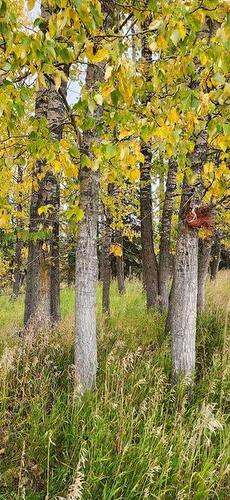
(78, 3)
(152, 5)
(115, 96)
(74, 151)
(45, 209)
(110, 151)
(226, 128)
(88, 123)
(84, 160)
(2, 8)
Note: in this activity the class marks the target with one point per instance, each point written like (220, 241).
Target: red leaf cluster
(202, 217)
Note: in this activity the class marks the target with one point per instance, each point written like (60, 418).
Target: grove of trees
(114, 157)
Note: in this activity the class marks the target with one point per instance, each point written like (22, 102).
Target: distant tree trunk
(150, 271)
(71, 261)
(17, 268)
(33, 294)
(106, 269)
(183, 298)
(166, 222)
(204, 254)
(106, 258)
(149, 262)
(120, 264)
(215, 259)
(55, 268)
(161, 192)
(18, 273)
(42, 298)
(86, 249)
(56, 113)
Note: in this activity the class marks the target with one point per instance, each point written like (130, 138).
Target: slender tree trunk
(42, 298)
(161, 193)
(86, 250)
(215, 259)
(149, 262)
(18, 273)
(204, 254)
(17, 268)
(106, 257)
(55, 266)
(56, 113)
(71, 261)
(182, 313)
(164, 257)
(106, 264)
(120, 264)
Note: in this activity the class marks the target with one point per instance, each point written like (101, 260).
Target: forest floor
(136, 436)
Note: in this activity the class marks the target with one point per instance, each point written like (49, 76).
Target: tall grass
(134, 437)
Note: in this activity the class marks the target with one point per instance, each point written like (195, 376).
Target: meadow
(136, 436)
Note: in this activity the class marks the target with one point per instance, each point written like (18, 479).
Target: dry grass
(135, 436)
(218, 292)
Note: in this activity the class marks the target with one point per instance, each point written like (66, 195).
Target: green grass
(134, 437)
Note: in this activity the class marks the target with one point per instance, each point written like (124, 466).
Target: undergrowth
(135, 436)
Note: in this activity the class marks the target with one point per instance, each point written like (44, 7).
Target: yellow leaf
(203, 58)
(116, 249)
(169, 150)
(31, 4)
(100, 55)
(208, 168)
(180, 177)
(111, 177)
(173, 116)
(124, 133)
(41, 82)
(124, 151)
(64, 143)
(52, 27)
(134, 174)
(181, 29)
(223, 142)
(45, 247)
(107, 89)
(161, 42)
(204, 233)
(4, 219)
(215, 189)
(45, 209)
(162, 132)
(127, 90)
(56, 166)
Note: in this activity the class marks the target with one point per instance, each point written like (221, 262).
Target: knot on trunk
(201, 217)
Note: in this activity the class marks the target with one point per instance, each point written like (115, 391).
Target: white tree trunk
(86, 281)
(86, 250)
(183, 303)
(166, 222)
